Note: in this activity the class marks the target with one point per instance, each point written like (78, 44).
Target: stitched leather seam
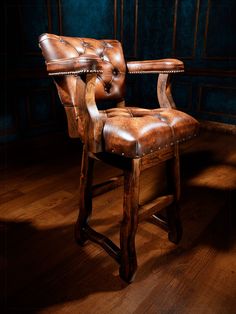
(63, 40)
(129, 111)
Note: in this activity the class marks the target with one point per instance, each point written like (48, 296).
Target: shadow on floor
(44, 267)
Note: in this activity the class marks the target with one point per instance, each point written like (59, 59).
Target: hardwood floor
(43, 270)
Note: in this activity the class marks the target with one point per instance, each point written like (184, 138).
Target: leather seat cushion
(134, 132)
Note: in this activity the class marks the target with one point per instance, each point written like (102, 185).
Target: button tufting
(107, 88)
(115, 72)
(107, 45)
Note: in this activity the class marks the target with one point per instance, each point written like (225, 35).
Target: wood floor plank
(45, 271)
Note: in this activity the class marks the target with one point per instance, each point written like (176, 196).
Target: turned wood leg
(85, 197)
(173, 211)
(129, 223)
(174, 223)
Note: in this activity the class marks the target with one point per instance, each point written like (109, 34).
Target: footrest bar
(108, 185)
(154, 206)
(161, 221)
(110, 247)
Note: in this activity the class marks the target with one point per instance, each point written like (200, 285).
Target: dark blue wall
(200, 32)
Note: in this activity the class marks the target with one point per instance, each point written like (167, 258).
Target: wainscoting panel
(200, 32)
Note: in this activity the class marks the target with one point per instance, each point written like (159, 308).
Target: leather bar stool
(130, 138)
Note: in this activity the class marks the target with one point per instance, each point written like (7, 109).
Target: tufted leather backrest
(109, 84)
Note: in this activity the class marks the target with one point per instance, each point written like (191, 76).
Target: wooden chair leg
(128, 265)
(85, 197)
(173, 211)
(174, 223)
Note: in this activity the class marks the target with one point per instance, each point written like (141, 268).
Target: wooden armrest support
(163, 67)
(164, 95)
(155, 66)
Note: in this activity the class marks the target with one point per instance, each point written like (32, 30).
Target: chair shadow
(44, 267)
(207, 212)
(216, 229)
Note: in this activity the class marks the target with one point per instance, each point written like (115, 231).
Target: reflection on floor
(44, 271)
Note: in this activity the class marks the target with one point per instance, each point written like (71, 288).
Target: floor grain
(44, 271)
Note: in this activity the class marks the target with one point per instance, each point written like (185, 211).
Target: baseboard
(218, 127)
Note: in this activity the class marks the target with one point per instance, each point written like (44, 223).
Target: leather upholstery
(110, 84)
(134, 132)
(131, 132)
(83, 64)
(155, 66)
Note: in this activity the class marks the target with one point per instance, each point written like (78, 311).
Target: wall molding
(205, 56)
(115, 19)
(59, 14)
(135, 43)
(176, 6)
(218, 127)
(200, 108)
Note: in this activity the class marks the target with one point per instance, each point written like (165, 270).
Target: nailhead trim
(161, 147)
(76, 72)
(100, 71)
(160, 72)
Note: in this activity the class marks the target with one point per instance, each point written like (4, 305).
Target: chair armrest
(83, 64)
(155, 66)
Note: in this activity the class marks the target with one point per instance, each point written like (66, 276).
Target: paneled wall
(200, 32)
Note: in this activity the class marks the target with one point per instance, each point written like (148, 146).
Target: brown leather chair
(130, 138)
